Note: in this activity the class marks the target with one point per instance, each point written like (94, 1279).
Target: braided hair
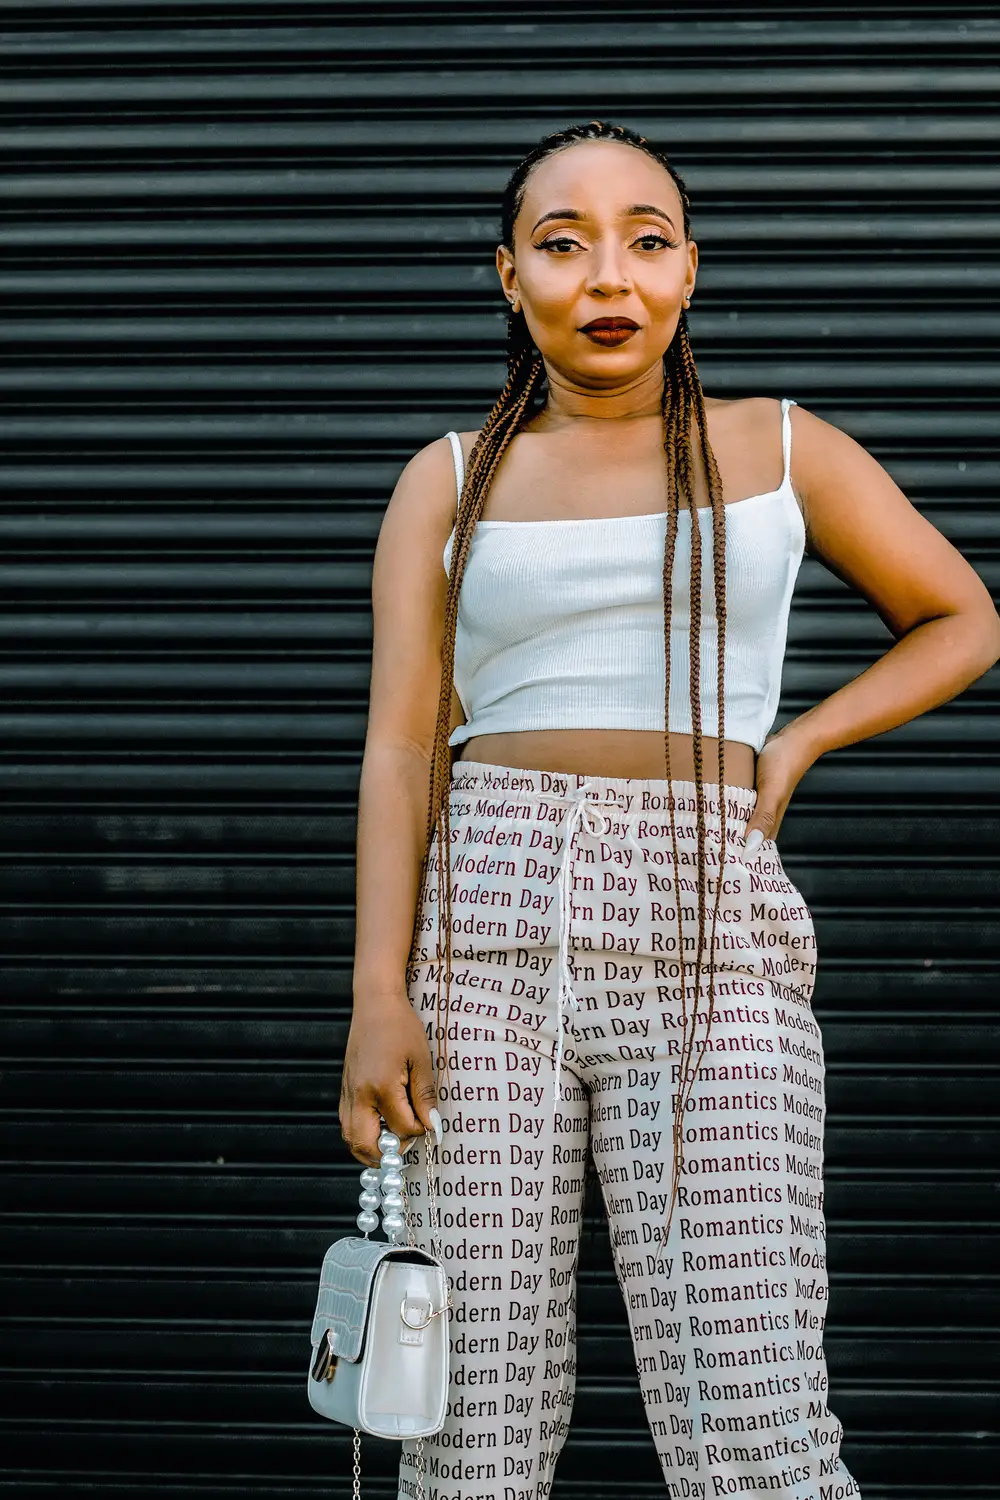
(683, 410)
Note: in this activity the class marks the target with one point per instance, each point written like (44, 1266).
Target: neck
(571, 401)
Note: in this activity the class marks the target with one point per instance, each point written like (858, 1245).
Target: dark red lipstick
(610, 332)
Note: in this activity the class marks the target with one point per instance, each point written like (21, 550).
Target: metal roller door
(248, 271)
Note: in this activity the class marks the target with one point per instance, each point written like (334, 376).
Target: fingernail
(438, 1127)
(753, 841)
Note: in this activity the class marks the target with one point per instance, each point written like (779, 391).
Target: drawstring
(630, 836)
(582, 812)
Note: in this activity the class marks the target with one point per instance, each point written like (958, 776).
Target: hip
(614, 866)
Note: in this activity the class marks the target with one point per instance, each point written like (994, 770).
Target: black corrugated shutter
(248, 263)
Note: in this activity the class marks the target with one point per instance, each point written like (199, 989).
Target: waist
(614, 753)
(632, 794)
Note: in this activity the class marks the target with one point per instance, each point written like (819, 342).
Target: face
(600, 236)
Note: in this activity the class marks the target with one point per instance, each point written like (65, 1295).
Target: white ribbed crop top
(560, 622)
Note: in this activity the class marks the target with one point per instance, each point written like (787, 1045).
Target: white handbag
(380, 1345)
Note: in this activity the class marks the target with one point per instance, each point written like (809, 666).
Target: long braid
(673, 413)
(683, 409)
(695, 408)
(524, 372)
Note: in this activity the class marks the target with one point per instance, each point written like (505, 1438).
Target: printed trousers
(564, 1036)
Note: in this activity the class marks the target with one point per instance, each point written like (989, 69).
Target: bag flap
(345, 1282)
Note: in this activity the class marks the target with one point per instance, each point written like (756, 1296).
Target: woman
(579, 939)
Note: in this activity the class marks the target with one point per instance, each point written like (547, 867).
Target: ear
(692, 268)
(507, 273)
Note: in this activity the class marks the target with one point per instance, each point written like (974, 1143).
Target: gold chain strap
(434, 1233)
(366, 1222)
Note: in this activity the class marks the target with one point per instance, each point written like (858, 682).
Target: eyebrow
(637, 211)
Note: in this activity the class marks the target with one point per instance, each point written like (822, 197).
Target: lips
(599, 324)
(610, 332)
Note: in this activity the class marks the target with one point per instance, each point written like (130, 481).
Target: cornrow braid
(524, 375)
(683, 408)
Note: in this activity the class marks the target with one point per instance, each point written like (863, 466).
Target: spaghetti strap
(459, 458)
(786, 438)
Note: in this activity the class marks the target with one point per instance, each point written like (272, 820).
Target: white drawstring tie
(584, 812)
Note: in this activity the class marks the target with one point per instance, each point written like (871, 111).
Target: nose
(608, 268)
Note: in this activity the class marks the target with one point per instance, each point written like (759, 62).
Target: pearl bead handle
(382, 1188)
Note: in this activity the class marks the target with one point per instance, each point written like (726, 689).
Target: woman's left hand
(781, 765)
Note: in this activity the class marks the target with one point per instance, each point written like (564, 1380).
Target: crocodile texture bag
(380, 1345)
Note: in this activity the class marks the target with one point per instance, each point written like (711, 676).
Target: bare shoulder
(819, 450)
(409, 590)
(427, 480)
(409, 574)
(748, 423)
(744, 410)
(421, 509)
(468, 441)
(746, 439)
(839, 481)
(867, 532)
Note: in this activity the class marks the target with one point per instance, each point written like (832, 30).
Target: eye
(552, 244)
(653, 240)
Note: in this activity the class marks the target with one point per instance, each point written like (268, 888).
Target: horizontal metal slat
(926, 35)
(435, 88)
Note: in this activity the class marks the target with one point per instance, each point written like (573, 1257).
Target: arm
(387, 1066)
(947, 630)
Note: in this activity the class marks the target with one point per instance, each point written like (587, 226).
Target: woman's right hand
(387, 1072)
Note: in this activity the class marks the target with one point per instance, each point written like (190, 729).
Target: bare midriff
(638, 753)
